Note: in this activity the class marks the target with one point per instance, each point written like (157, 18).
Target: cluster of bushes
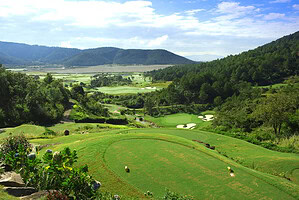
(110, 120)
(100, 80)
(54, 171)
(80, 116)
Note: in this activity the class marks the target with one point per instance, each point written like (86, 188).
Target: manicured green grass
(160, 158)
(155, 165)
(177, 119)
(26, 129)
(245, 153)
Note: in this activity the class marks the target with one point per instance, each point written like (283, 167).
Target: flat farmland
(106, 68)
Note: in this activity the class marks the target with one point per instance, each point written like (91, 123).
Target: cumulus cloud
(136, 24)
(66, 44)
(158, 41)
(272, 16)
(192, 12)
(280, 1)
(234, 8)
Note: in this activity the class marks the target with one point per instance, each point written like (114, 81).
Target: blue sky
(198, 29)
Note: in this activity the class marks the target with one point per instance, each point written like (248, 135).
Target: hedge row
(117, 121)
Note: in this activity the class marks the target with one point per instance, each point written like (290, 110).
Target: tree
(148, 105)
(275, 110)
(48, 79)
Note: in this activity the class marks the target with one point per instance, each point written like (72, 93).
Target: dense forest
(212, 82)
(25, 99)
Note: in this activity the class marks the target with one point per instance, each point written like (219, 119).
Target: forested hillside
(264, 65)
(233, 87)
(18, 54)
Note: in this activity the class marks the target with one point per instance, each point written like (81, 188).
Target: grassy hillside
(155, 155)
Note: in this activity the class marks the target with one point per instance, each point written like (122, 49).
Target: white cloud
(192, 12)
(272, 16)
(136, 24)
(280, 1)
(234, 8)
(66, 44)
(296, 6)
(158, 41)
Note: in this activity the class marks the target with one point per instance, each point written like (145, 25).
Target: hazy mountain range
(23, 54)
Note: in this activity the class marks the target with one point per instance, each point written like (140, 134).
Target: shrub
(56, 195)
(175, 196)
(53, 172)
(49, 132)
(12, 143)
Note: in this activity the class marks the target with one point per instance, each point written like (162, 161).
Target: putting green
(156, 165)
(175, 119)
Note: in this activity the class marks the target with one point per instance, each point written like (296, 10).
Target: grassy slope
(92, 147)
(247, 154)
(26, 129)
(156, 165)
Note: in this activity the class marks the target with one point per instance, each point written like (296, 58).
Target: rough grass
(160, 158)
(5, 196)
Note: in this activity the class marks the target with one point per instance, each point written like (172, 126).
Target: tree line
(24, 99)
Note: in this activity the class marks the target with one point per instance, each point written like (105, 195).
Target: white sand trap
(207, 117)
(200, 117)
(150, 88)
(143, 88)
(187, 126)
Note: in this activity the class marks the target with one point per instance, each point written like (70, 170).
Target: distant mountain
(17, 53)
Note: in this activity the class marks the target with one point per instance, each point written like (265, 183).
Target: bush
(90, 120)
(12, 143)
(53, 172)
(175, 196)
(56, 195)
(49, 132)
(118, 121)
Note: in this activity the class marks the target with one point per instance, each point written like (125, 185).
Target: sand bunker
(187, 126)
(149, 88)
(207, 117)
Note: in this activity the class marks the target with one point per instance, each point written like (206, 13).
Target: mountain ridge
(24, 54)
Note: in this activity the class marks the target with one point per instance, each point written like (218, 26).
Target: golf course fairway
(168, 158)
(153, 164)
